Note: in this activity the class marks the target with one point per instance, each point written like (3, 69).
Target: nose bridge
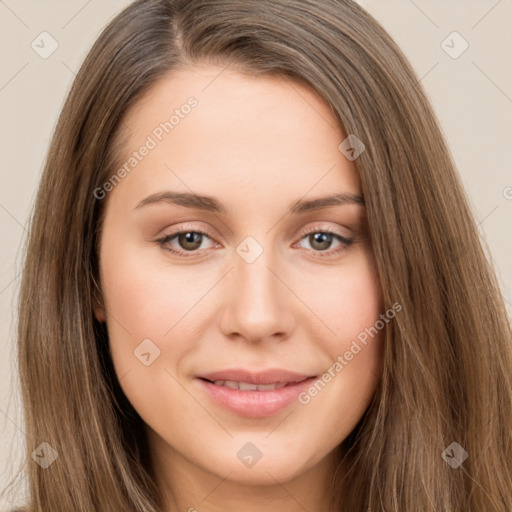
(256, 284)
(259, 305)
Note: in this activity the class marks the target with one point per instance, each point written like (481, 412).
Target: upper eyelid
(348, 240)
(303, 232)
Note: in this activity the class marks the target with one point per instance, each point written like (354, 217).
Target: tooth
(266, 387)
(245, 386)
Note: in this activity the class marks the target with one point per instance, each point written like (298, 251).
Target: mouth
(254, 395)
(247, 386)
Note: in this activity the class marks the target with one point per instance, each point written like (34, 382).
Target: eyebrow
(210, 204)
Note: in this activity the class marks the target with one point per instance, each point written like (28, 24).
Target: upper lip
(272, 376)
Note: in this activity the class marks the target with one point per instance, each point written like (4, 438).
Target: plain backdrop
(472, 95)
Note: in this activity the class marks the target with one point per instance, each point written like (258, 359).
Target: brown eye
(190, 240)
(186, 243)
(320, 241)
(324, 243)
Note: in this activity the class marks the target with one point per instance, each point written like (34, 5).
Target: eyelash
(345, 242)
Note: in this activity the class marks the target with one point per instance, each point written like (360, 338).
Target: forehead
(211, 128)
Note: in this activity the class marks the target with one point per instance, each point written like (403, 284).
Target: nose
(259, 306)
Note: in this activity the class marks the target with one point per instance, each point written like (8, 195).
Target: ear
(98, 303)
(99, 312)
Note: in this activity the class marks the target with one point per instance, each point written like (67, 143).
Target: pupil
(320, 241)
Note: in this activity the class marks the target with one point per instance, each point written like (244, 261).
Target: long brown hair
(447, 374)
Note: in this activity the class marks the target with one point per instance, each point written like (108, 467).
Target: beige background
(471, 94)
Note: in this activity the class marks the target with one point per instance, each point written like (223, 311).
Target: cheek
(348, 300)
(146, 295)
(351, 306)
(147, 304)
(142, 302)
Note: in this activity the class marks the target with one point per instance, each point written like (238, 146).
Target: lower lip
(255, 404)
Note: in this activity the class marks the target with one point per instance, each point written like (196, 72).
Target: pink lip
(255, 404)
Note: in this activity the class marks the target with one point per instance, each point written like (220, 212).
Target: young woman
(253, 281)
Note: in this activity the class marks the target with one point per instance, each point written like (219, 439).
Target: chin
(270, 462)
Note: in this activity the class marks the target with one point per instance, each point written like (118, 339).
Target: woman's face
(261, 288)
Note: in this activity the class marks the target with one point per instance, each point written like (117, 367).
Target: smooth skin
(256, 145)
